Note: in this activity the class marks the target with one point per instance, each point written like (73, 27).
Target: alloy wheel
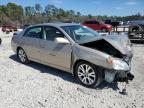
(86, 74)
(22, 55)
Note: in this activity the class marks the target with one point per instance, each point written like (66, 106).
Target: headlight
(118, 64)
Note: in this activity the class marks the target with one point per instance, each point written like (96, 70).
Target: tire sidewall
(26, 59)
(95, 70)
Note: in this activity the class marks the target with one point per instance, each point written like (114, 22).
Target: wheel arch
(101, 69)
(81, 60)
(18, 49)
(75, 64)
(27, 59)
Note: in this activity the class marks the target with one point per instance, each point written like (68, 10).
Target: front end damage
(120, 73)
(119, 60)
(121, 76)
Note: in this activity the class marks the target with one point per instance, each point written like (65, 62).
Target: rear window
(35, 32)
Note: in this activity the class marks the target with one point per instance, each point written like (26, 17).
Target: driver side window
(50, 33)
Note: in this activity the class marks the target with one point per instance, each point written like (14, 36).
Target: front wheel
(87, 74)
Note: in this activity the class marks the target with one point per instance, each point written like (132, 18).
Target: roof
(57, 24)
(137, 21)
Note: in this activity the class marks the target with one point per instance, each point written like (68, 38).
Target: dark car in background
(136, 25)
(113, 23)
(136, 30)
(98, 25)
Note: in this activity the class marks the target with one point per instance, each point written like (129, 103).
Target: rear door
(30, 42)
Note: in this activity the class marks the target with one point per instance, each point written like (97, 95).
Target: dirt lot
(38, 86)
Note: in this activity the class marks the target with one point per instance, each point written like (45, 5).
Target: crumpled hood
(120, 42)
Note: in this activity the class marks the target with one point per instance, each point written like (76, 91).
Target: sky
(94, 7)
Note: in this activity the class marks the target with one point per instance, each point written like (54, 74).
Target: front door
(57, 55)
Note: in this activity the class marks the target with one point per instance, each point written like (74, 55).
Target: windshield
(80, 33)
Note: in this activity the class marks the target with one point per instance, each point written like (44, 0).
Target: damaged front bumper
(120, 75)
(113, 75)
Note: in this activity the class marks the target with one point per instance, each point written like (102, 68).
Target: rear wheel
(22, 55)
(87, 74)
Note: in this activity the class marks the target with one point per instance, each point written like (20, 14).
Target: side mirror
(61, 40)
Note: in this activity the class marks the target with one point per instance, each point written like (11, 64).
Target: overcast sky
(94, 7)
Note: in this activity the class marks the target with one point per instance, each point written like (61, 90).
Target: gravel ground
(38, 86)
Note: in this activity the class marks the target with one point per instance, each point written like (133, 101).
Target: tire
(135, 29)
(22, 56)
(89, 78)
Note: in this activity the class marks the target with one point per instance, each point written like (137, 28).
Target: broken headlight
(118, 64)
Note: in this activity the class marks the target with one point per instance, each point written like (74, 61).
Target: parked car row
(113, 23)
(9, 28)
(98, 25)
(76, 49)
(136, 25)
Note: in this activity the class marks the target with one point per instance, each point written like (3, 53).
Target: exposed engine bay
(105, 47)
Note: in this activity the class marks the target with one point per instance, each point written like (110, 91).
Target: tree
(29, 11)
(78, 14)
(72, 12)
(51, 10)
(3, 12)
(61, 13)
(89, 16)
(13, 13)
(38, 8)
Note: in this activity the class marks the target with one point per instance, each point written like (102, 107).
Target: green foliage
(10, 13)
(38, 8)
(16, 14)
